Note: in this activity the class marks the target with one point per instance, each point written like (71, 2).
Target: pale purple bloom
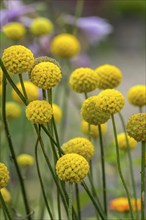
(81, 60)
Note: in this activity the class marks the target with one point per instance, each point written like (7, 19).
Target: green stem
(5, 207)
(143, 180)
(23, 87)
(78, 201)
(58, 204)
(70, 202)
(119, 167)
(140, 109)
(78, 12)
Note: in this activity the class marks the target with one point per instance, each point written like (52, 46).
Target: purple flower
(81, 60)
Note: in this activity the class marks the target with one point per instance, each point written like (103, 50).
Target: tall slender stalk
(78, 201)
(78, 12)
(23, 87)
(143, 146)
(70, 202)
(5, 207)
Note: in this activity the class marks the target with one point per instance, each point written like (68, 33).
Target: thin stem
(23, 87)
(5, 207)
(119, 167)
(70, 202)
(143, 180)
(140, 109)
(58, 203)
(78, 12)
(78, 201)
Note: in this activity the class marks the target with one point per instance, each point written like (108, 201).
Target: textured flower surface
(39, 111)
(4, 175)
(41, 26)
(72, 168)
(65, 45)
(45, 75)
(79, 145)
(136, 126)
(83, 80)
(108, 76)
(122, 142)
(93, 131)
(25, 160)
(17, 59)
(137, 95)
(13, 110)
(92, 113)
(14, 30)
(31, 90)
(110, 100)
(121, 204)
(57, 112)
(6, 195)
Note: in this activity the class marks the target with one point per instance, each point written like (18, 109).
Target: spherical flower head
(137, 95)
(14, 30)
(4, 175)
(122, 142)
(94, 133)
(13, 110)
(1, 75)
(110, 100)
(92, 113)
(108, 76)
(136, 126)
(25, 160)
(79, 145)
(17, 59)
(46, 75)
(83, 80)
(72, 168)
(41, 26)
(57, 112)
(31, 90)
(65, 45)
(6, 195)
(39, 111)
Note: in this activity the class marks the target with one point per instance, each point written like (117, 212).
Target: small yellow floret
(1, 75)
(39, 111)
(46, 75)
(72, 168)
(17, 59)
(83, 80)
(93, 129)
(92, 113)
(31, 90)
(110, 100)
(137, 95)
(25, 160)
(122, 142)
(4, 175)
(79, 145)
(108, 76)
(136, 126)
(13, 110)
(65, 45)
(14, 30)
(57, 112)
(6, 195)
(41, 26)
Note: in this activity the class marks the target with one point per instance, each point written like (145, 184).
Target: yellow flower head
(110, 100)
(57, 112)
(14, 30)
(92, 113)
(108, 76)
(46, 75)
(79, 145)
(122, 142)
(17, 59)
(39, 111)
(13, 110)
(1, 75)
(31, 90)
(83, 80)
(136, 126)
(65, 45)
(41, 26)
(25, 160)
(72, 168)
(6, 195)
(137, 95)
(4, 175)
(93, 129)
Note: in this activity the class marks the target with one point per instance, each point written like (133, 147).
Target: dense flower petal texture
(72, 168)
(137, 95)
(79, 145)
(122, 142)
(4, 175)
(83, 80)
(41, 26)
(25, 160)
(14, 30)
(136, 126)
(39, 111)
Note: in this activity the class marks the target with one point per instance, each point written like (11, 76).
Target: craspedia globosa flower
(25, 160)
(79, 145)
(65, 45)
(46, 75)
(122, 142)
(17, 59)
(6, 195)
(13, 110)
(39, 111)
(83, 80)
(4, 175)
(14, 30)
(108, 76)
(57, 112)
(110, 100)
(92, 113)
(41, 26)
(72, 168)
(136, 126)
(137, 95)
